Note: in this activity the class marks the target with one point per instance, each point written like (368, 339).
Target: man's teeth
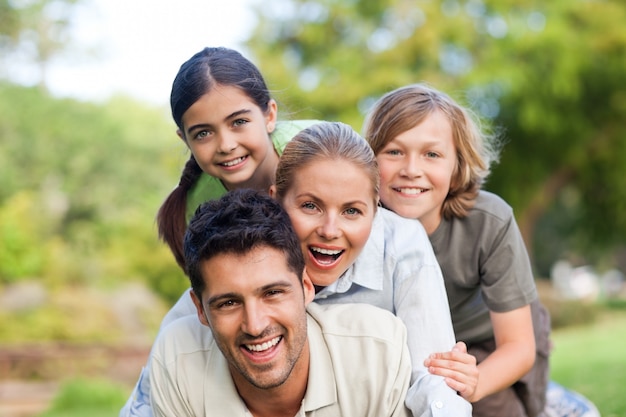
(264, 346)
(411, 190)
(233, 162)
(326, 251)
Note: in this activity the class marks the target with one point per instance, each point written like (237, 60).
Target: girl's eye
(239, 122)
(392, 152)
(202, 134)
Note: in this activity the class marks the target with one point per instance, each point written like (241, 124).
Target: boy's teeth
(411, 190)
(325, 251)
(264, 346)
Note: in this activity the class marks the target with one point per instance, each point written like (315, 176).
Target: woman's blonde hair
(406, 107)
(321, 141)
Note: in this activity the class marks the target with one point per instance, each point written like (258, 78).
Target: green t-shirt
(211, 188)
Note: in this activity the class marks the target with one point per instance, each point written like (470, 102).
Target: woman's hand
(458, 368)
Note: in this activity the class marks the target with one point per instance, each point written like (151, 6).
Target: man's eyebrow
(225, 296)
(233, 295)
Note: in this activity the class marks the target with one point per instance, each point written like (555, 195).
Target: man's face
(255, 307)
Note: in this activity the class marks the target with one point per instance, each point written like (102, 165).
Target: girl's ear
(272, 115)
(199, 309)
(181, 135)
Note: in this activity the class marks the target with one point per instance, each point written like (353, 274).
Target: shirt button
(438, 404)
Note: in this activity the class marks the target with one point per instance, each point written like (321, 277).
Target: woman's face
(331, 206)
(228, 135)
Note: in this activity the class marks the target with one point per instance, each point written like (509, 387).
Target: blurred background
(88, 151)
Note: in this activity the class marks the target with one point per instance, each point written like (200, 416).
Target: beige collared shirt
(360, 366)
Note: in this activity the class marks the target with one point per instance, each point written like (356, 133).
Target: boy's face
(255, 307)
(416, 170)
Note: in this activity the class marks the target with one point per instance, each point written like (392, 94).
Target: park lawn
(591, 359)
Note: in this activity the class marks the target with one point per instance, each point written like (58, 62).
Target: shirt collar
(322, 388)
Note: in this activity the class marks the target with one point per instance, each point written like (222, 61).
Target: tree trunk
(539, 204)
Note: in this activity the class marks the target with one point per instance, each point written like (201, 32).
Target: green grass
(87, 397)
(591, 360)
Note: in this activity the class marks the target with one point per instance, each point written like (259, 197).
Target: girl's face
(416, 169)
(331, 206)
(228, 135)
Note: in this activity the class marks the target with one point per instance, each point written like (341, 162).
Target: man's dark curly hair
(240, 221)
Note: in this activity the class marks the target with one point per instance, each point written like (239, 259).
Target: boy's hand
(458, 368)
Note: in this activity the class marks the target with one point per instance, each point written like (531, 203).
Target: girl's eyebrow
(230, 116)
(237, 113)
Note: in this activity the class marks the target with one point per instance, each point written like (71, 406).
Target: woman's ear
(272, 115)
(272, 191)
(199, 308)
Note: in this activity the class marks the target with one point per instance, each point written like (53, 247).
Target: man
(259, 348)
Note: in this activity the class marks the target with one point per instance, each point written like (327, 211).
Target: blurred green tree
(80, 184)
(39, 29)
(552, 75)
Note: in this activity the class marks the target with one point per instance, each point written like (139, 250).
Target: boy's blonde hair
(406, 107)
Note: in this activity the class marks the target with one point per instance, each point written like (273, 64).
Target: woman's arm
(422, 304)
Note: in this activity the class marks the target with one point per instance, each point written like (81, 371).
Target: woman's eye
(353, 211)
(308, 205)
(239, 122)
(432, 154)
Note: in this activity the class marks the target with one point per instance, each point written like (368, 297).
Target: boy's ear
(199, 308)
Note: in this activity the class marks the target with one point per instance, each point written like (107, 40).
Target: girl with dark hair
(226, 117)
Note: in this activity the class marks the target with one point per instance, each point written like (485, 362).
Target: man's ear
(309, 288)
(199, 308)
(272, 115)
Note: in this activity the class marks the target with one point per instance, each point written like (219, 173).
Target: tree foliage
(552, 75)
(36, 29)
(80, 185)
